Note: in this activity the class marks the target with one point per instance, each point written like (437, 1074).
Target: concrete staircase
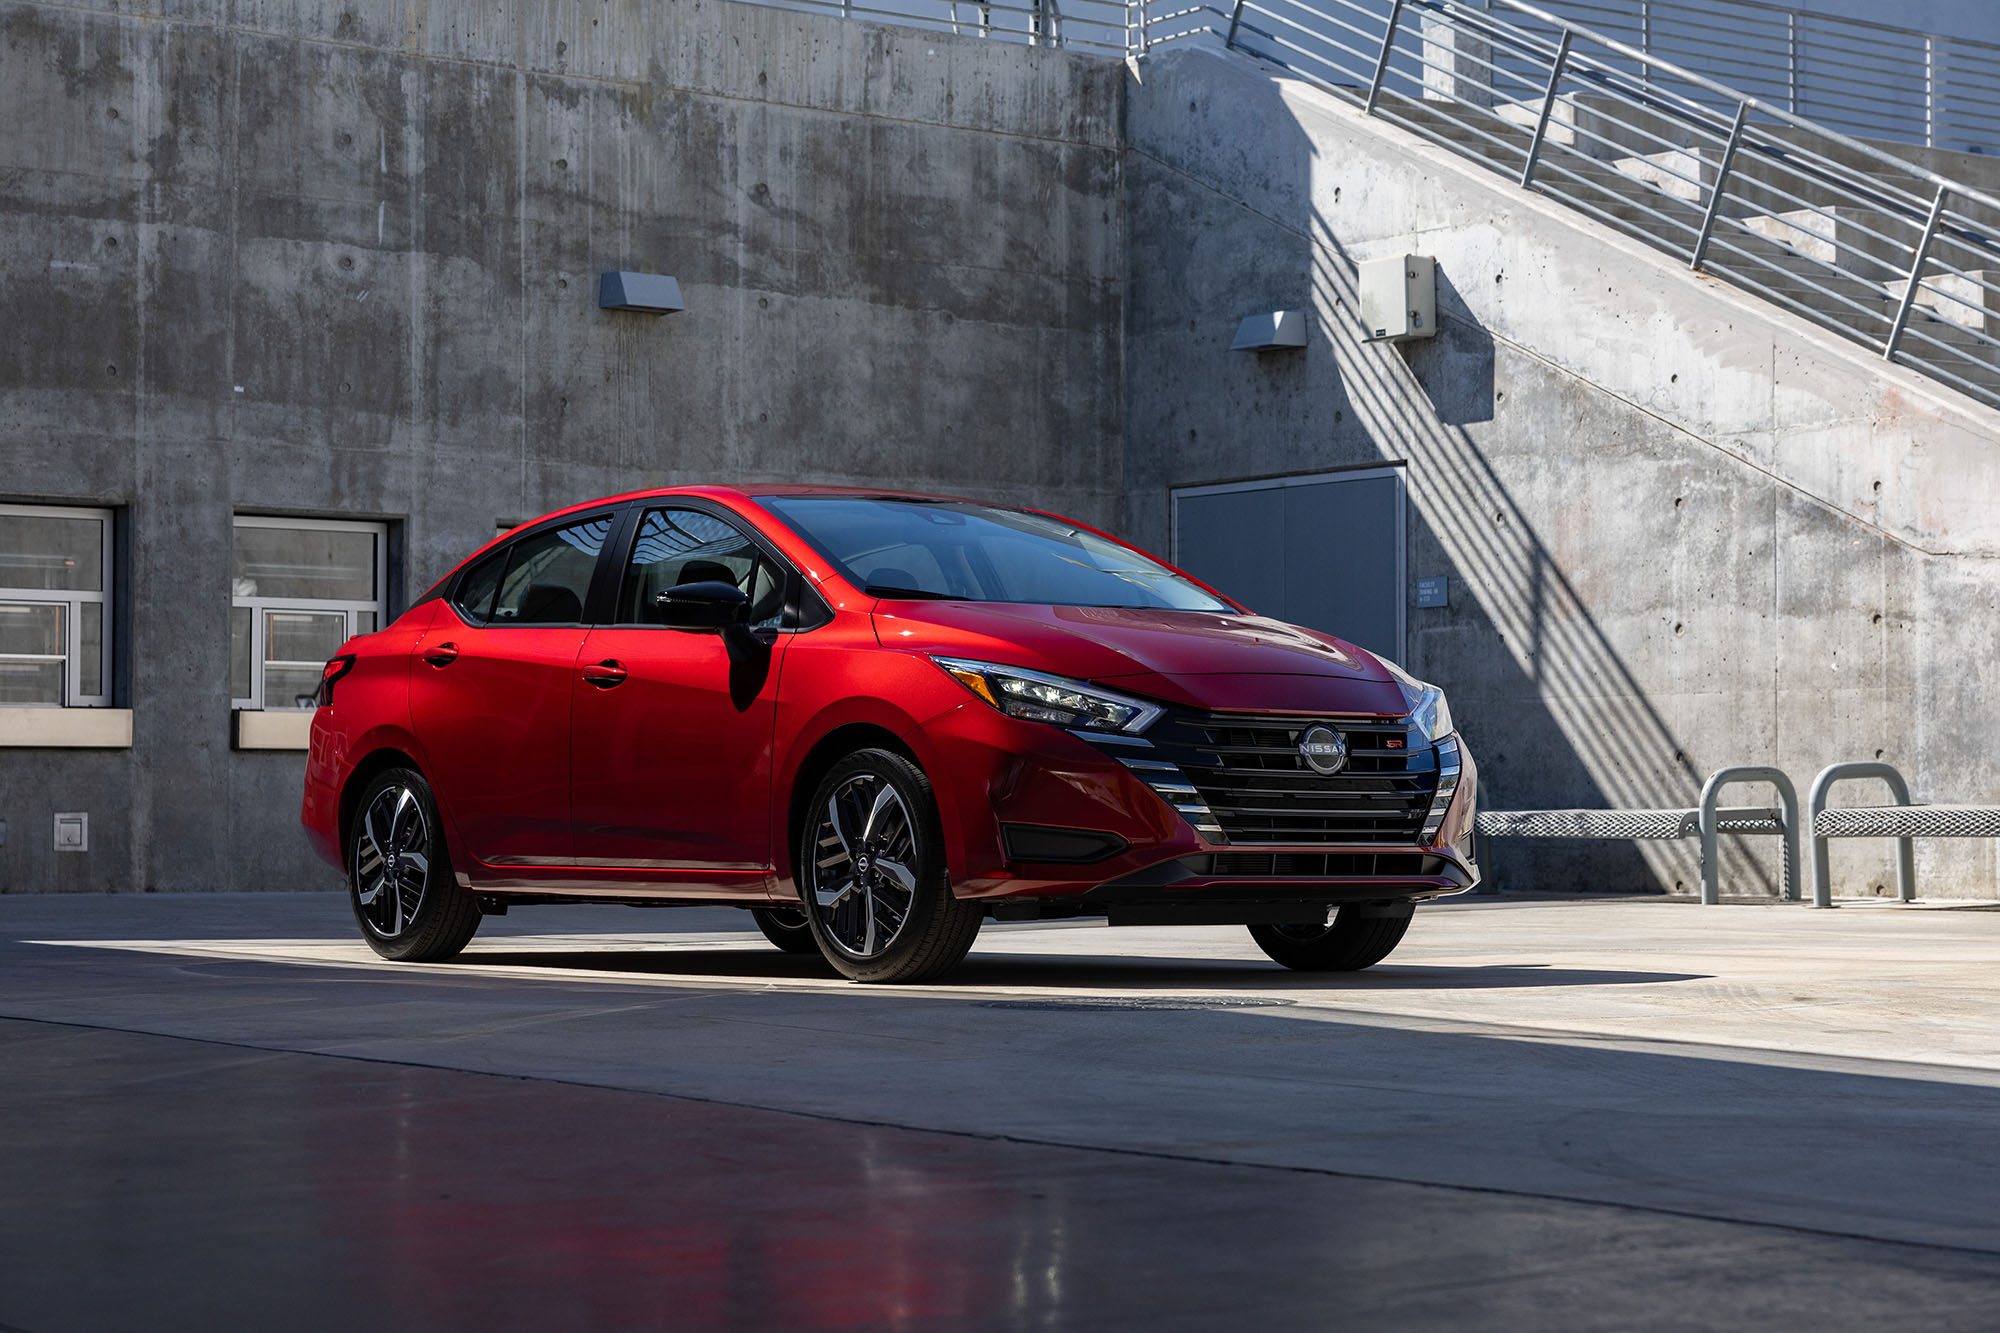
(1805, 246)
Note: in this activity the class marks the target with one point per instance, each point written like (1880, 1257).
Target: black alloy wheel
(400, 884)
(872, 875)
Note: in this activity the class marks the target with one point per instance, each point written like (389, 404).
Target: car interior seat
(707, 571)
(889, 576)
(550, 604)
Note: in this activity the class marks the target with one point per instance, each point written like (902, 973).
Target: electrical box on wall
(1399, 298)
(73, 831)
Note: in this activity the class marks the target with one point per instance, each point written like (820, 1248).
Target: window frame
(72, 601)
(259, 606)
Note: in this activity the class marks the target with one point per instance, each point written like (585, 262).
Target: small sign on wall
(1433, 592)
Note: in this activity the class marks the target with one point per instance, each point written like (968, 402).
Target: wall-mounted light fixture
(1281, 330)
(647, 293)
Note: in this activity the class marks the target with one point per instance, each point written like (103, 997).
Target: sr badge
(1323, 750)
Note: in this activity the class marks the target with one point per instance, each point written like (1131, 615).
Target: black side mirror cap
(708, 605)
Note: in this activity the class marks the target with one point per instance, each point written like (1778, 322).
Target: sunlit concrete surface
(224, 1111)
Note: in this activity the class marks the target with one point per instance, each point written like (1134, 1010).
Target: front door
(670, 756)
(490, 695)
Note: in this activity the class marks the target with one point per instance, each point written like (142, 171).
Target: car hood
(1196, 658)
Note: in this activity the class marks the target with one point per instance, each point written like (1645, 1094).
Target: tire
(399, 882)
(872, 876)
(1362, 935)
(786, 927)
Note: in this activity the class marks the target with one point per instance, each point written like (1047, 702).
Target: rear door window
(541, 579)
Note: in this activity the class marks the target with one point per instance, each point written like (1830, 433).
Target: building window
(302, 587)
(55, 607)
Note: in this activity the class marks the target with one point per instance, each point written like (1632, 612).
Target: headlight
(1039, 698)
(1429, 713)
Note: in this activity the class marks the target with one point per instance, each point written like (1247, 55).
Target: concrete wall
(1683, 531)
(341, 259)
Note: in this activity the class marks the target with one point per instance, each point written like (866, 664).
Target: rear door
(670, 756)
(490, 693)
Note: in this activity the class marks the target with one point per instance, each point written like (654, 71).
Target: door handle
(605, 674)
(441, 656)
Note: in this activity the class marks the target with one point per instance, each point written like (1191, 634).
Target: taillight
(335, 668)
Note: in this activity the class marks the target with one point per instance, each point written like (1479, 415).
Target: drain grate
(1142, 1002)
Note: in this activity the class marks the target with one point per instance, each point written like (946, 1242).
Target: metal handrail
(1906, 856)
(1777, 42)
(1836, 20)
(1654, 63)
(1867, 244)
(1788, 799)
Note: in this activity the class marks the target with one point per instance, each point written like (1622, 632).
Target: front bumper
(997, 776)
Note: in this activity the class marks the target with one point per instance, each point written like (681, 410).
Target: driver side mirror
(711, 604)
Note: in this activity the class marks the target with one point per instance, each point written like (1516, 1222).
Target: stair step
(1856, 240)
(1834, 262)
(1961, 300)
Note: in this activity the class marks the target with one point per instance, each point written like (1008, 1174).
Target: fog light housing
(1059, 846)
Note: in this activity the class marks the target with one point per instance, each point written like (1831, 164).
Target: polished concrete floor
(223, 1112)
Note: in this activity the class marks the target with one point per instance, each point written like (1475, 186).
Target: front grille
(1255, 786)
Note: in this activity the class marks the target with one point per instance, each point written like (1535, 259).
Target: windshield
(950, 549)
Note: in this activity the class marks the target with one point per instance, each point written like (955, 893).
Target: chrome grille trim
(1253, 786)
(1172, 786)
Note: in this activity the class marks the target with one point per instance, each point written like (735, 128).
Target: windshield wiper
(911, 594)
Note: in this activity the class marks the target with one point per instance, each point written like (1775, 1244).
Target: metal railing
(1869, 79)
(1108, 27)
(1850, 237)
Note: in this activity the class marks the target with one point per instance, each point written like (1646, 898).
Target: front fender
(828, 688)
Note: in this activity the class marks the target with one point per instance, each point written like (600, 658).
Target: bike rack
(1707, 820)
(1785, 821)
(1822, 829)
(1903, 821)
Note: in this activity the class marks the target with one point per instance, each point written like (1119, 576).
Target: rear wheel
(399, 878)
(785, 927)
(872, 875)
(1361, 935)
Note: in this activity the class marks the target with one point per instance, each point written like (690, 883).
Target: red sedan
(875, 720)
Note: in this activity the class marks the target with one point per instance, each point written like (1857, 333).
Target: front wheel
(399, 878)
(872, 875)
(1361, 935)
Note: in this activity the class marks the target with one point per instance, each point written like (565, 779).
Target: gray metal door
(1324, 551)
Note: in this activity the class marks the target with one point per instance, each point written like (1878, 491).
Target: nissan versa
(874, 720)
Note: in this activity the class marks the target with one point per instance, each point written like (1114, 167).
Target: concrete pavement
(1580, 1114)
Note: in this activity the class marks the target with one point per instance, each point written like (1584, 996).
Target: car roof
(749, 492)
(718, 492)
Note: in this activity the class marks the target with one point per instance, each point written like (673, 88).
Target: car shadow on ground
(1070, 971)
